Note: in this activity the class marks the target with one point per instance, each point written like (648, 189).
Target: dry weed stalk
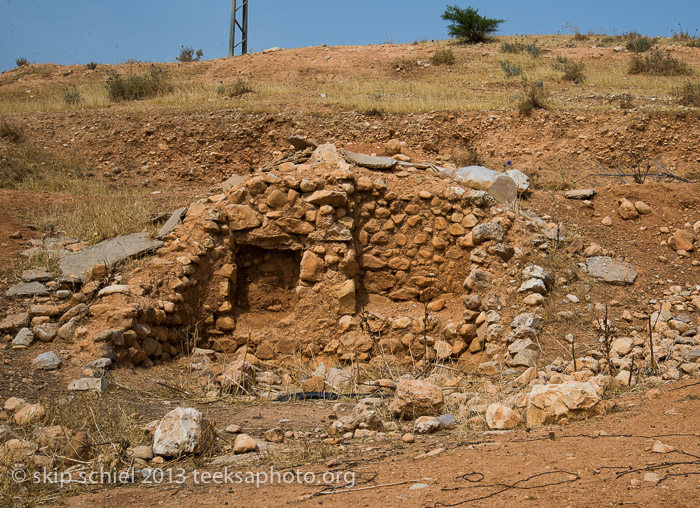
(608, 334)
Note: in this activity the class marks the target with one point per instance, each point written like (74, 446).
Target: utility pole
(239, 22)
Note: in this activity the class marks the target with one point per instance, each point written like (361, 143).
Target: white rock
(182, 431)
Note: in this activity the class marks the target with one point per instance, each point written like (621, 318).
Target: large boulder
(182, 431)
(549, 403)
(415, 398)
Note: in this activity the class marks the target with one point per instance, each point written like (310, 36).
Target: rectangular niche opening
(266, 279)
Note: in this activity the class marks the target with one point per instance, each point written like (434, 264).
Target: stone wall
(290, 251)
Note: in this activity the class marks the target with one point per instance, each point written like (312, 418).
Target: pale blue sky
(80, 31)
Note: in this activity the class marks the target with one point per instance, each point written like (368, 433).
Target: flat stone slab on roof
(108, 253)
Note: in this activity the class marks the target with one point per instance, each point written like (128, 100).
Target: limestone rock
(27, 289)
(346, 298)
(522, 181)
(23, 338)
(15, 322)
(312, 267)
(368, 161)
(610, 270)
(547, 403)
(242, 217)
(642, 207)
(29, 414)
(182, 431)
(580, 194)
(681, 240)
(326, 197)
(415, 398)
(627, 210)
(47, 361)
(487, 231)
(89, 384)
(244, 444)
(501, 417)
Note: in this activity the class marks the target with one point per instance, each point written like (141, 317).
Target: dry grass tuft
(658, 63)
(688, 94)
(10, 131)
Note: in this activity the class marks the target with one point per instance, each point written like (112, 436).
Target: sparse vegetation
(21, 62)
(463, 157)
(11, 131)
(533, 50)
(71, 95)
(443, 57)
(511, 70)
(512, 47)
(658, 63)
(137, 86)
(639, 44)
(237, 89)
(573, 71)
(688, 94)
(468, 26)
(92, 66)
(532, 97)
(187, 54)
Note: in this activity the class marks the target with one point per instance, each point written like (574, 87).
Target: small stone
(533, 300)
(580, 194)
(23, 338)
(233, 429)
(627, 210)
(29, 414)
(642, 207)
(244, 444)
(47, 361)
(408, 438)
(143, 452)
(660, 447)
(275, 435)
(607, 221)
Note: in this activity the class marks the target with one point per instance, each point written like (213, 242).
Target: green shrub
(137, 86)
(532, 97)
(688, 94)
(573, 71)
(92, 66)
(21, 61)
(187, 54)
(468, 25)
(639, 44)
(71, 95)
(443, 57)
(658, 63)
(512, 70)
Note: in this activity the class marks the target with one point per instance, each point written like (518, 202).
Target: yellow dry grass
(475, 82)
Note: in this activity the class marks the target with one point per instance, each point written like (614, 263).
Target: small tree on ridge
(468, 25)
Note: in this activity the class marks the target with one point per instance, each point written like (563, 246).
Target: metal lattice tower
(239, 23)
